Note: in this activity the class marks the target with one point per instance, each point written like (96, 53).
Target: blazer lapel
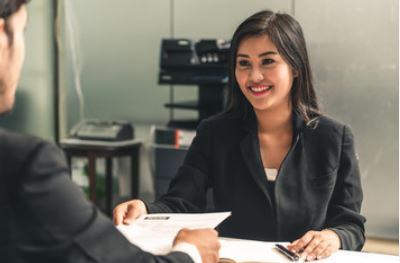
(251, 155)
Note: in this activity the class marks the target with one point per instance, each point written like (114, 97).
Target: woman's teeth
(260, 88)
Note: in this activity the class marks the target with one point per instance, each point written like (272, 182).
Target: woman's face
(264, 77)
(12, 54)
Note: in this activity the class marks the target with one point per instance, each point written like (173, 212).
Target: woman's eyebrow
(260, 55)
(268, 53)
(243, 55)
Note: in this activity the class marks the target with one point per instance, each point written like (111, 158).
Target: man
(44, 217)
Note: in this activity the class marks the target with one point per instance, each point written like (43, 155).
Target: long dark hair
(8, 8)
(286, 34)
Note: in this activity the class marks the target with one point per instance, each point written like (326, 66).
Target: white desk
(248, 251)
(241, 250)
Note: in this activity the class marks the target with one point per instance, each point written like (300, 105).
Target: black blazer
(46, 218)
(318, 184)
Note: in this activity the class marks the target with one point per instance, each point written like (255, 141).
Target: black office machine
(187, 62)
(103, 130)
(202, 63)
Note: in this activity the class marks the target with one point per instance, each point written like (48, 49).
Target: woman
(286, 172)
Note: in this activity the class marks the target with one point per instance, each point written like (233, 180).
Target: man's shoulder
(16, 147)
(13, 140)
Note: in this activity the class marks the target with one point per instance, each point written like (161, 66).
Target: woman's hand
(127, 212)
(316, 244)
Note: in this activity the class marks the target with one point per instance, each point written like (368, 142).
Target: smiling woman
(266, 80)
(278, 41)
(272, 156)
(264, 77)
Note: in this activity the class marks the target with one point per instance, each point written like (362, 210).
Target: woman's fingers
(316, 244)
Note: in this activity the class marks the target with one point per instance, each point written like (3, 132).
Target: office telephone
(103, 130)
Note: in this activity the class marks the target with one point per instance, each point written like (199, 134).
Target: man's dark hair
(8, 8)
(285, 32)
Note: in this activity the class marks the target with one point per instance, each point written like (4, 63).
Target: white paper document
(155, 232)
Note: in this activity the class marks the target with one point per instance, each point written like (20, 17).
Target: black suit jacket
(318, 184)
(46, 218)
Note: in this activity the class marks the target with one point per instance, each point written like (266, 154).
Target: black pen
(291, 255)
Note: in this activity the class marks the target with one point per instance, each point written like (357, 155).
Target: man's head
(13, 19)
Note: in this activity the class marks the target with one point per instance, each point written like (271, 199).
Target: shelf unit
(200, 63)
(210, 101)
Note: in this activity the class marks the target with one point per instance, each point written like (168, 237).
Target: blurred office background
(111, 50)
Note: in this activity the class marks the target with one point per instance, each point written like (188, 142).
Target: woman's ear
(295, 73)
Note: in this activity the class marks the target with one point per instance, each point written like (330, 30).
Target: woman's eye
(243, 63)
(267, 61)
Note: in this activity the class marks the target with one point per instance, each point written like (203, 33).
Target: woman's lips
(259, 90)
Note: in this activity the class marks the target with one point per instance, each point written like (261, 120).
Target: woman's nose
(256, 75)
